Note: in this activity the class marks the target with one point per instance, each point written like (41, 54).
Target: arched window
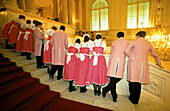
(138, 13)
(100, 15)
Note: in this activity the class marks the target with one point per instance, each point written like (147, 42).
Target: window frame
(149, 21)
(99, 15)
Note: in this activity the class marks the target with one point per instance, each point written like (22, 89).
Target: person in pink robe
(138, 64)
(59, 42)
(47, 54)
(83, 64)
(71, 65)
(116, 65)
(39, 36)
(28, 41)
(97, 72)
(5, 30)
(14, 30)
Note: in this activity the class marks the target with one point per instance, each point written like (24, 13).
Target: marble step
(10, 54)
(36, 71)
(6, 50)
(42, 76)
(17, 58)
(22, 62)
(50, 82)
(61, 86)
(29, 66)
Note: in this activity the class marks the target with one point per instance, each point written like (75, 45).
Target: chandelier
(158, 37)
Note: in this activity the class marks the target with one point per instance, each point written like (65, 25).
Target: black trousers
(39, 59)
(112, 86)
(135, 90)
(60, 70)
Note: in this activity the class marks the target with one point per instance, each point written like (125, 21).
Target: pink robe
(97, 72)
(138, 64)
(71, 63)
(14, 32)
(20, 40)
(6, 29)
(82, 66)
(39, 36)
(59, 42)
(117, 58)
(47, 54)
(28, 44)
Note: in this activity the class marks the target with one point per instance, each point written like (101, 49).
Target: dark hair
(62, 27)
(86, 39)
(78, 40)
(86, 32)
(98, 36)
(83, 33)
(80, 31)
(141, 34)
(38, 23)
(21, 17)
(91, 32)
(54, 28)
(103, 37)
(35, 21)
(120, 34)
(39, 9)
(28, 21)
(56, 19)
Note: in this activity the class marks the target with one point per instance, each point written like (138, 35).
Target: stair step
(66, 105)
(29, 66)
(13, 78)
(12, 89)
(36, 71)
(41, 76)
(42, 102)
(23, 62)
(10, 70)
(3, 59)
(50, 82)
(7, 64)
(6, 50)
(61, 86)
(1, 55)
(24, 97)
(10, 54)
(16, 58)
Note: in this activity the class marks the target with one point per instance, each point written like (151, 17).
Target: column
(77, 14)
(55, 9)
(64, 14)
(10, 3)
(69, 4)
(30, 6)
(20, 4)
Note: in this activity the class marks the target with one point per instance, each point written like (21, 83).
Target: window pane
(136, 1)
(143, 15)
(104, 19)
(132, 16)
(99, 4)
(95, 20)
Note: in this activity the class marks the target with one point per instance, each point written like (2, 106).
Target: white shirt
(76, 45)
(98, 43)
(86, 44)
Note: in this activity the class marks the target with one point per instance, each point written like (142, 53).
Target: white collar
(61, 30)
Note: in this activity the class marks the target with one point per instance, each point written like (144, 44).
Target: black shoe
(104, 92)
(99, 92)
(51, 76)
(58, 78)
(84, 89)
(95, 92)
(49, 71)
(38, 66)
(72, 89)
(81, 89)
(29, 58)
(114, 99)
(43, 66)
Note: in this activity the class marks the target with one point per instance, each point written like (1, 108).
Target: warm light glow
(46, 36)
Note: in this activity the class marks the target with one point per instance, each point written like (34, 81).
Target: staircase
(24, 87)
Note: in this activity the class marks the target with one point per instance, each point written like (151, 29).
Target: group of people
(55, 51)
(84, 70)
